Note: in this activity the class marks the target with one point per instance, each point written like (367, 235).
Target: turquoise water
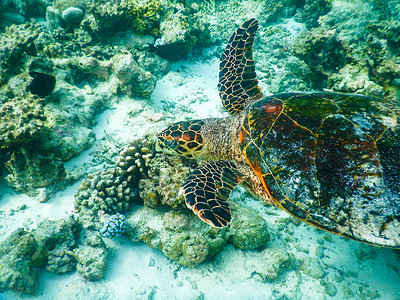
(73, 155)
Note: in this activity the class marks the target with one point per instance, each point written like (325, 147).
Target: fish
(42, 84)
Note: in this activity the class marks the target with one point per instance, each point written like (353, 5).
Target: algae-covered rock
(312, 10)
(311, 266)
(354, 79)
(180, 30)
(269, 263)
(248, 229)
(330, 289)
(20, 256)
(181, 236)
(58, 239)
(91, 257)
(21, 120)
(322, 50)
(364, 252)
(133, 79)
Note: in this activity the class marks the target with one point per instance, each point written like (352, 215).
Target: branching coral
(113, 190)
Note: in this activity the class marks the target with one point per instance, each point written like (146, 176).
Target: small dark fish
(42, 84)
(174, 51)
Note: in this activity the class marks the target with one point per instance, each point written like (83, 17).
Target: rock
(330, 289)
(155, 64)
(92, 257)
(57, 239)
(364, 252)
(269, 263)
(20, 256)
(354, 79)
(133, 80)
(181, 236)
(21, 120)
(347, 292)
(248, 230)
(72, 17)
(53, 18)
(62, 5)
(312, 11)
(311, 266)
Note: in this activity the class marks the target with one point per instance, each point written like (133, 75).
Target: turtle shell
(330, 159)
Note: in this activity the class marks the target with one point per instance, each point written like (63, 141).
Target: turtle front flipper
(207, 191)
(238, 85)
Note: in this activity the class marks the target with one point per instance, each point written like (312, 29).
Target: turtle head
(181, 138)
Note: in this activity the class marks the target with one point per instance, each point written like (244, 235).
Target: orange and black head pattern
(181, 138)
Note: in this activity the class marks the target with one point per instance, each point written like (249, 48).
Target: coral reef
(57, 239)
(133, 79)
(312, 10)
(111, 16)
(21, 120)
(273, 9)
(322, 50)
(91, 256)
(17, 42)
(20, 258)
(184, 238)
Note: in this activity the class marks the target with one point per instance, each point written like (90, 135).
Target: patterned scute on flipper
(207, 190)
(238, 84)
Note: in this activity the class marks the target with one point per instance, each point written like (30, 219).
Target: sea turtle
(329, 159)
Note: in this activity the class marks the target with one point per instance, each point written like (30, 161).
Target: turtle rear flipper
(207, 191)
(238, 85)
